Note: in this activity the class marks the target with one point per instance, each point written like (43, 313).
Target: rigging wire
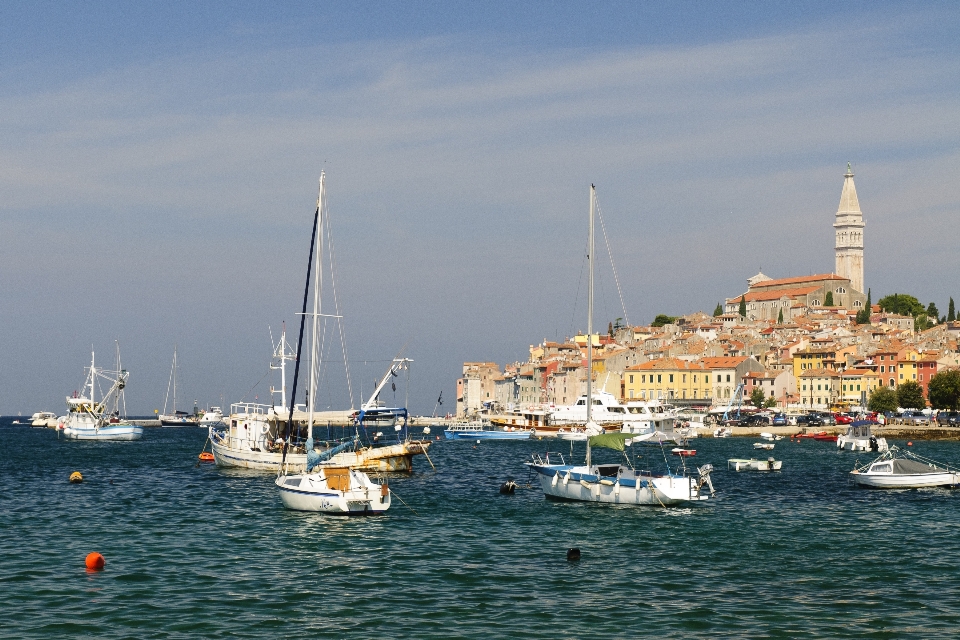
(613, 266)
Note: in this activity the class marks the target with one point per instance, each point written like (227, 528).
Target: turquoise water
(201, 552)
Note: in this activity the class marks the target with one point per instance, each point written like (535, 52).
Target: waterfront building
(813, 359)
(819, 388)
(857, 384)
(726, 373)
(667, 379)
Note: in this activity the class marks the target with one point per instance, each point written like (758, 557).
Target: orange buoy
(94, 561)
(206, 456)
(909, 444)
(76, 477)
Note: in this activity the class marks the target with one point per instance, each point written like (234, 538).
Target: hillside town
(808, 342)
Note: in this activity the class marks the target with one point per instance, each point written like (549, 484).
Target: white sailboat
(333, 490)
(90, 419)
(176, 418)
(612, 483)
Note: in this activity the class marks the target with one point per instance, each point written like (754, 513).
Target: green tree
(945, 390)
(828, 301)
(610, 329)
(780, 317)
(901, 304)
(951, 312)
(863, 316)
(932, 310)
(910, 395)
(663, 319)
(921, 323)
(770, 402)
(757, 397)
(883, 399)
(743, 307)
(718, 311)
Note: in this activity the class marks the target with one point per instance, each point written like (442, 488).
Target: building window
(659, 378)
(684, 378)
(631, 382)
(728, 377)
(718, 378)
(671, 377)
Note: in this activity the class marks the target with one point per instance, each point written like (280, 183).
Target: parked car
(914, 417)
(810, 420)
(753, 420)
(842, 418)
(780, 420)
(948, 418)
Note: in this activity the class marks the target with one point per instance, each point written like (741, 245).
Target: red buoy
(95, 561)
(909, 444)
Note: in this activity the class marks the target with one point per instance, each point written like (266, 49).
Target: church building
(766, 298)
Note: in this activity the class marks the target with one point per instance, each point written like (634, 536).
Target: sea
(195, 551)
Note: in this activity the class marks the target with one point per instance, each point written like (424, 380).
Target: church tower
(849, 226)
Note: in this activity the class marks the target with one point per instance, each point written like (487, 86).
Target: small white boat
(212, 416)
(43, 419)
(860, 437)
(334, 491)
(722, 432)
(742, 464)
(763, 445)
(899, 469)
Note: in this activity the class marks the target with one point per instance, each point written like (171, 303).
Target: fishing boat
(91, 419)
(332, 490)
(752, 464)
(612, 483)
(252, 437)
(176, 418)
(860, 437)
(898, 468)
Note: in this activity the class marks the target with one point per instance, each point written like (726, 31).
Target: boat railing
(251, 409)
(545, 459)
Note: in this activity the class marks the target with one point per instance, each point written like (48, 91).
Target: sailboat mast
(316, 309)
(590, 320)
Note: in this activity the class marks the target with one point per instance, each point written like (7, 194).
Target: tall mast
(316, 309)
(93, 376)
(590, 321)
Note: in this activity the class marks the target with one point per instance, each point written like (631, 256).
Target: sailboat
(333, 490)
(612, 483)
(177, 418)
(90, 419)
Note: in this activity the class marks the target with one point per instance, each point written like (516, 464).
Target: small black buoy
(508, 487)
(573, 554)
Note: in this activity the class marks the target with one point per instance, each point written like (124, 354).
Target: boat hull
(739, 464)
(486, 435)
(904, 481)
(395, 458)
(564, 483)
(118, 432)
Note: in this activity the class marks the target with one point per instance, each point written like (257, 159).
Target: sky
(159, 165)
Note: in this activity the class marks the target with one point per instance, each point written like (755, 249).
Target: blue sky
(159, 164)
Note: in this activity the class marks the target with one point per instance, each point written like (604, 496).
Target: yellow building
(854, 383)
(818, 388)
(666, 378)
(813, 359)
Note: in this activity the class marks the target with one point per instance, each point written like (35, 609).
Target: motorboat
(860, 437)
(685, 453)
(212, 416)
(43, 419)
(769, 436)
(897, 468)
(91, 419)
(752, 464)
(763, 445)
(329, 489)
(480, 430)
(722, 432)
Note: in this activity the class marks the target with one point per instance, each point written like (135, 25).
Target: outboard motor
(704, 472)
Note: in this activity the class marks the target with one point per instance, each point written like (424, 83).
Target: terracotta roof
(723, 362)
(661, 364)
(774, 294)
(798, 280)
(819, 373)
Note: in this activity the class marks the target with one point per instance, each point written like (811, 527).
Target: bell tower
(849, 232)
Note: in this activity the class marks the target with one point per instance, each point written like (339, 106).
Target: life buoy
(264, 429)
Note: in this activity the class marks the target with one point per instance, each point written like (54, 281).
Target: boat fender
(76, 477)
(573, 555)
